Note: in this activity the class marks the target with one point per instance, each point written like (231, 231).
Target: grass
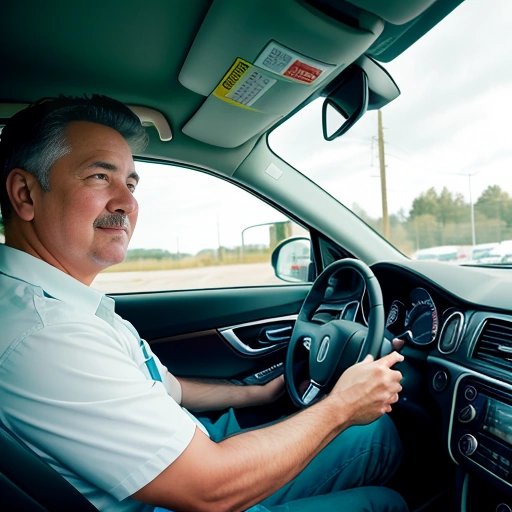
(147, 264)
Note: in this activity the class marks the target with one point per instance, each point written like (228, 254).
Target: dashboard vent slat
(495, 343)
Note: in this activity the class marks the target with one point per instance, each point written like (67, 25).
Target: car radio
(482, 427)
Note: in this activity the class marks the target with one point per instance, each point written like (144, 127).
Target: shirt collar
(55, 283)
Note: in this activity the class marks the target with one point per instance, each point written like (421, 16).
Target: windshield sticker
(243, 84)
(285, 62)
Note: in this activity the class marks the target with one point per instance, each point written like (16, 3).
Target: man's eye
(100, 176)
(132, 187)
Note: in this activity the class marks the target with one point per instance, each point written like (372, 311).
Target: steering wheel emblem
(324, 348)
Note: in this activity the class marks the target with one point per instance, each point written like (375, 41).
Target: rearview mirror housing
(364, 85)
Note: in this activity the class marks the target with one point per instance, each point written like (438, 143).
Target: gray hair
(53, 145)
(34, 138)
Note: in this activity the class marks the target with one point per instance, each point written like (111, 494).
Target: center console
(481, 436)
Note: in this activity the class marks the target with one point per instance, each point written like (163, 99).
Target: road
(252, 274)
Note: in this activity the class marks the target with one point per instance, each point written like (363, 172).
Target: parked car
(335, 122)
(447, 253)
(481, 251)
(441, 253)
(501, 253)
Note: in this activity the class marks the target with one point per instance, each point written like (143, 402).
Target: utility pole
(383, 187)
(472, 212)
(219, 247)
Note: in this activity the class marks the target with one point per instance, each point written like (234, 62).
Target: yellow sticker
(243, 84)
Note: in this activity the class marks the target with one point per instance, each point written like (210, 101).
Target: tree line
(445, 218)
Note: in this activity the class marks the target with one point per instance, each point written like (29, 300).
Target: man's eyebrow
(102, 165)
(111, 167)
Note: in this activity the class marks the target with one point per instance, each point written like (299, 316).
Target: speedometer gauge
(396, 316)
(422, 319)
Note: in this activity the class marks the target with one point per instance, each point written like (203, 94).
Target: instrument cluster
(416, 319)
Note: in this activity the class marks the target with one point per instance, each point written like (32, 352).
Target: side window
(197, 231)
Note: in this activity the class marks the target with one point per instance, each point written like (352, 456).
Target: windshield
(440, 186)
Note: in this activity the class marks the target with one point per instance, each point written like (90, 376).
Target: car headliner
(134, 51)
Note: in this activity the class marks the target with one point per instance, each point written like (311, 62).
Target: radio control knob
(467, 414)
(468, 444)
(470, 393)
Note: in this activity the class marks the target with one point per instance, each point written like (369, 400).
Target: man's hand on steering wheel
(369, 388)
(334, 345)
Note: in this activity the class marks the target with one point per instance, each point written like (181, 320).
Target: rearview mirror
(365, 85)
(341, 110)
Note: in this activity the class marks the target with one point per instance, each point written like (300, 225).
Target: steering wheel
(336, 344)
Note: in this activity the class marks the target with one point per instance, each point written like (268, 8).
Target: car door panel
(208, 354)
(232, 333)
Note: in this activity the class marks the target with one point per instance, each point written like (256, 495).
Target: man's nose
(122, 200)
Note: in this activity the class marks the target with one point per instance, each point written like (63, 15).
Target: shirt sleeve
(85, 402)
(171, 383)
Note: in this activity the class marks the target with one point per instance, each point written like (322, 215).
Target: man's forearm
(204, 395)
(276, 454)
(244, 469)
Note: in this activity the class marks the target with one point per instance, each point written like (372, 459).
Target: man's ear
(20, 185)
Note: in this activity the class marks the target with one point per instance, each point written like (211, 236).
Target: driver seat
(27, 483)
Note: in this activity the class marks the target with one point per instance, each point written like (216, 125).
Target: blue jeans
(348, 475)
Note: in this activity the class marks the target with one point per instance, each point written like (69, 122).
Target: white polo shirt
(75, 387)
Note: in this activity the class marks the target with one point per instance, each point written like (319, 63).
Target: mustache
(112, 220)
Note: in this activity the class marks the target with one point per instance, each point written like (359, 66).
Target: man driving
(81, 389)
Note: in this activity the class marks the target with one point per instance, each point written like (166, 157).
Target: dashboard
(457, 325)
(456, 322)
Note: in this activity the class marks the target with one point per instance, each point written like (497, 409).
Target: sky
(450, 126)
(183, 211)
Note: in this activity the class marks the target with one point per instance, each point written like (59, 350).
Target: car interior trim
(230, 336)
(453, 343)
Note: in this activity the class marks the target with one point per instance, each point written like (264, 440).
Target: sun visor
(254, 69)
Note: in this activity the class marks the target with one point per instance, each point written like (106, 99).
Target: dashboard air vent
(495, 343)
